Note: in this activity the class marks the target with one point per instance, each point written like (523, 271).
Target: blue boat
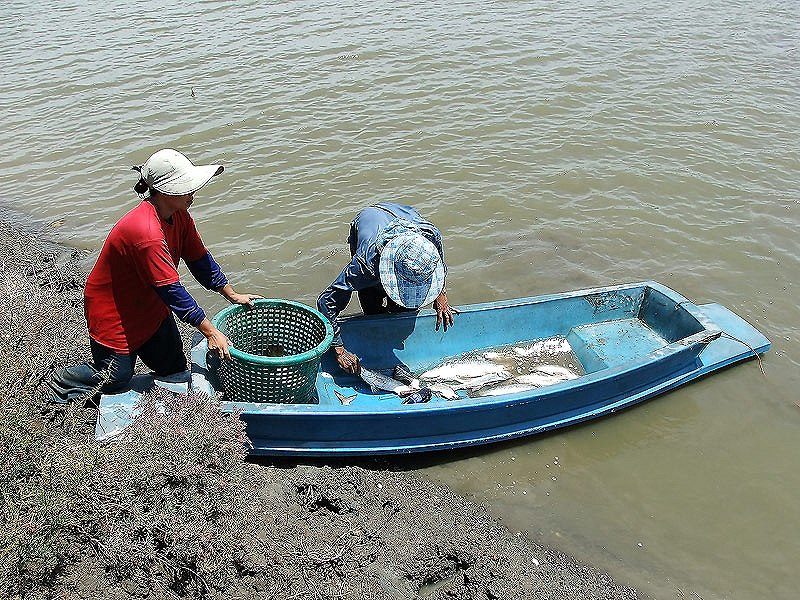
(633, 342)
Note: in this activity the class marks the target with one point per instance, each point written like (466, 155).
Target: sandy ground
(331, 530)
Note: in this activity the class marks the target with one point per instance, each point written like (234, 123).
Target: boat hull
(634, 342)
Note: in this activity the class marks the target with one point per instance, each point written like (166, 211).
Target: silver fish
(556, 371)
(444, 391)
(463, 371)
(536, 380)
(519, 351)
(542, 376)
(548, 346)
(478, 382)
(379, 381)
(404, 375)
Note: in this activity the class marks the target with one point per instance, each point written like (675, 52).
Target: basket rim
(294, 359)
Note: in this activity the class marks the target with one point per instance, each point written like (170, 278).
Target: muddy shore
(314, 530)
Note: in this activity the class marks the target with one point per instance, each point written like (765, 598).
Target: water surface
(557, 146)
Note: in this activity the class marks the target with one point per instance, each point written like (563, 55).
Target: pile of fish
(500, 371)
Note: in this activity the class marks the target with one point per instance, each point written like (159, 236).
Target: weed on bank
(163, 507)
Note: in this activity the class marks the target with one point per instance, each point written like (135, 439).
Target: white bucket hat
(170, 172)
(411, 270)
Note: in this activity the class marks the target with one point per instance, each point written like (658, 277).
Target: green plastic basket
(277, 346)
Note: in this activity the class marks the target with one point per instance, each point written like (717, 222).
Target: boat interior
(604, 328)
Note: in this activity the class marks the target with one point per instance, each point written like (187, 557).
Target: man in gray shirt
(397, 265)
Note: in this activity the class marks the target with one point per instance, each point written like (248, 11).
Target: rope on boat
(755, 353)
(735, 339)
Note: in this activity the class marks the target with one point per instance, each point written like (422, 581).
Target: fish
(404, 375)
(378, 381)
(463, 375)
(345, 400)
(548, 346)
(463, 370)
(478, 382)
(444, 391)
(519, 351)
(542, 376)
(556, 371)
(537, 379)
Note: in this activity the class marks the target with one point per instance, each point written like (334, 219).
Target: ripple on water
(556, 147)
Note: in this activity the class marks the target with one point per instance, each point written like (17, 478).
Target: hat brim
(408, 294)
(190, 180)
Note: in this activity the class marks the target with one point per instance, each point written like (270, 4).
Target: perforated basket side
(297, 331)
(246, 382)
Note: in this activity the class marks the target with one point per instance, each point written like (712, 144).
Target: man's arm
(335, 298)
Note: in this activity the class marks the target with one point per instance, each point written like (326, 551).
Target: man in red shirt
(134, 288)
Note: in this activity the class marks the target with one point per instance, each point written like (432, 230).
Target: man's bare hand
(444, 312)
(348, 362)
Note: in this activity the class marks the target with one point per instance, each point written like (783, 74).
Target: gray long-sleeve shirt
(362, 270)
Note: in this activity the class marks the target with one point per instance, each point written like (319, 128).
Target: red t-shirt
(142, 251)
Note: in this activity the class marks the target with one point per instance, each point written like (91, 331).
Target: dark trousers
(374, 301)
(111, 372)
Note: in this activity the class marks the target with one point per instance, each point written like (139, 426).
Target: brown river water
(557, 146)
